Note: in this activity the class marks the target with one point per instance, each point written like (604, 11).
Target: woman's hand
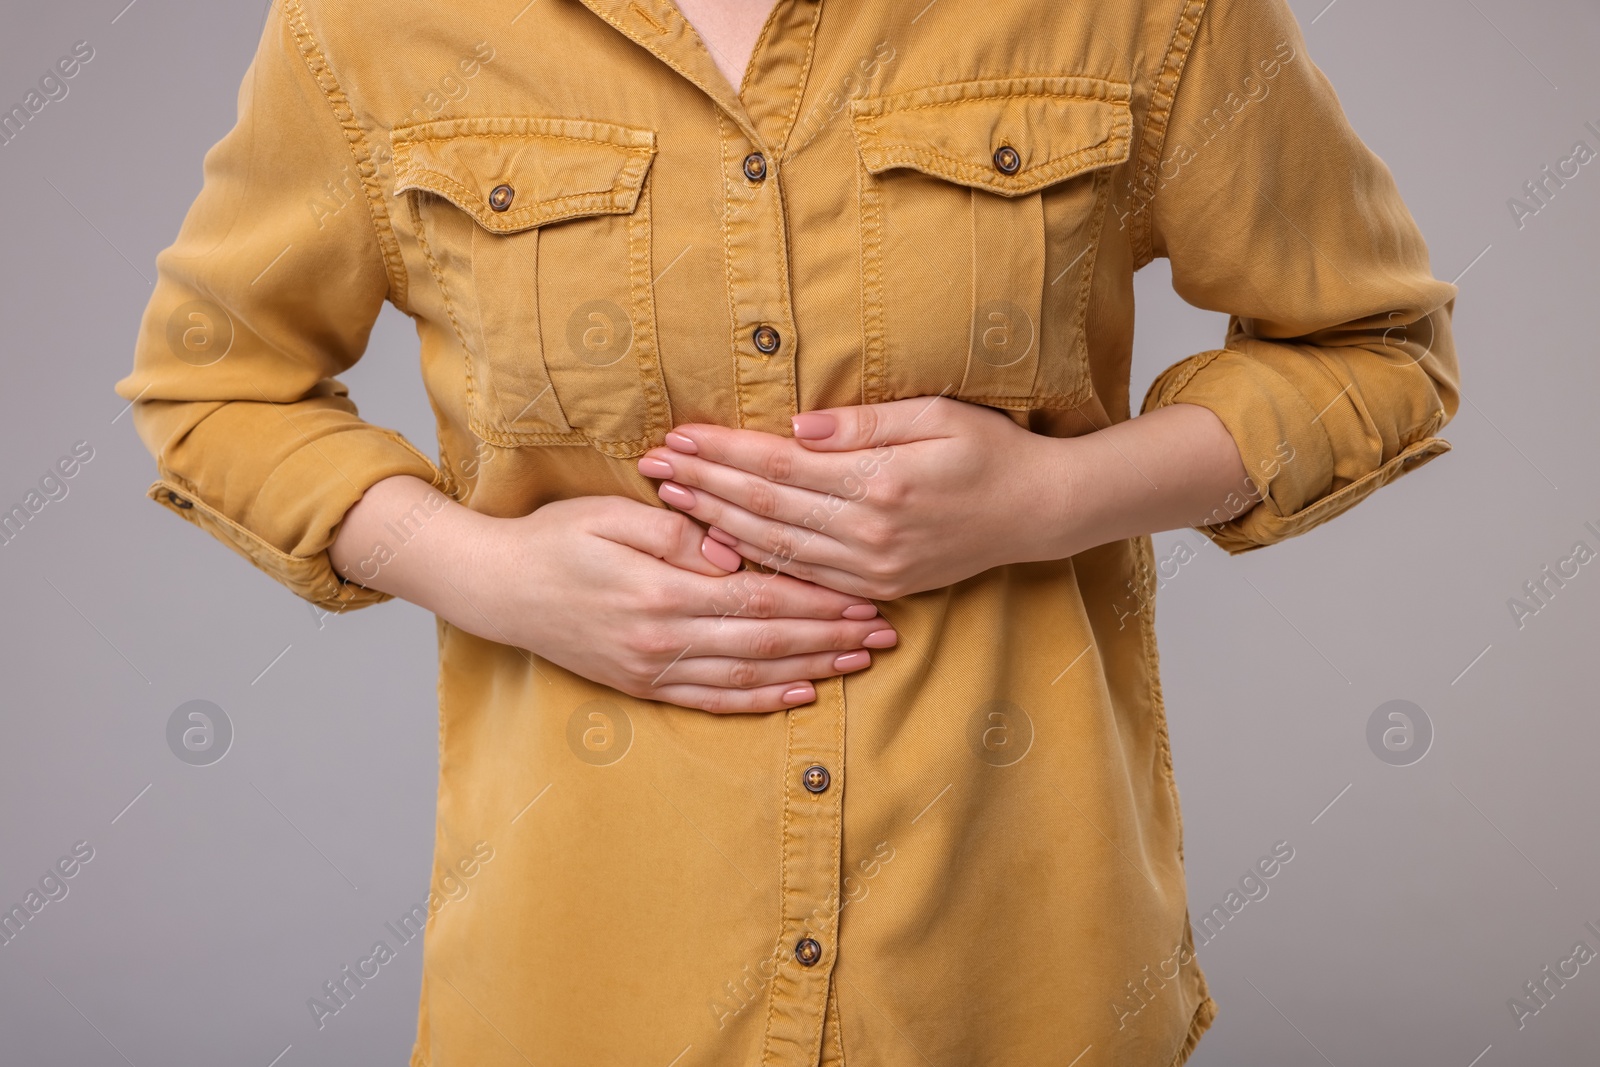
(623, 593)
(884, 500)
(880, 500)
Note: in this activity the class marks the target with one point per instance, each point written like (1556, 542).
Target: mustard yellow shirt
(970, 853)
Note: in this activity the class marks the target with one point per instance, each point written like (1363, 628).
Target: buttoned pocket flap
(1057, 128)
(512, 174)
(982, 209)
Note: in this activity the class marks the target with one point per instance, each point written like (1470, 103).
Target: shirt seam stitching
(801, 83)
(960, 100)
(1153, 133)
(761, 38)
(727, 274)
(339, 106)
(474, 136)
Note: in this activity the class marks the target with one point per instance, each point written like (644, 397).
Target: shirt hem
(1204, 1016)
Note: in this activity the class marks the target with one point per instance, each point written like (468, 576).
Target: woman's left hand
(878, 500)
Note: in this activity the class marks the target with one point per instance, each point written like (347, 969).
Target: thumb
(863, 426)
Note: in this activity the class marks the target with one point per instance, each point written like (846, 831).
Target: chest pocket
(538, 232)
(982, 204)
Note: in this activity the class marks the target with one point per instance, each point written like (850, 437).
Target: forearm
(406, 538)
(1173, 467)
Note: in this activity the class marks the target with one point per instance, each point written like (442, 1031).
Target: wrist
(1157, 471)
(1081, 470)
(406, 538)
(1058, 498)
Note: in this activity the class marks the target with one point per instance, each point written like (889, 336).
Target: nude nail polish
(861, 612)
(676, 495)
(720, 554)
(651, 467)
(800, 694)
(850, 661)
(681, 443)
(880, 639)
(813, 425)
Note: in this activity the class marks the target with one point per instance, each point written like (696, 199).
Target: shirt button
(179, 502)
(807, 951)
(755, 166)
(500, 197)
(766, 339)
(816, 779)
(1007, 160)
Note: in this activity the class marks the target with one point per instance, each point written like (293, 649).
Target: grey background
(225, 895)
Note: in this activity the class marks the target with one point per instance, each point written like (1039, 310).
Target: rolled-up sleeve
(271, 288)
(1338, 368)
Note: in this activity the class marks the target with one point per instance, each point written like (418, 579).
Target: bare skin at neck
(729, 29)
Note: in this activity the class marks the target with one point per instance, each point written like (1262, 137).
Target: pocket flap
(554, 169)
(1059, 127)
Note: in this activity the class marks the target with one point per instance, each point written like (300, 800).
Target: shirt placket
(765, 346)
(752, 130)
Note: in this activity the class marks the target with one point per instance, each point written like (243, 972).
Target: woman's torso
(998, 850)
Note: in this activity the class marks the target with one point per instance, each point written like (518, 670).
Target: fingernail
(850, 661)
(813, 425)
(681, 443)
(800, 694)
(651, 467)
(859, 612)
(720, 554)
(676, 495)
(880, 639)
(731, 541)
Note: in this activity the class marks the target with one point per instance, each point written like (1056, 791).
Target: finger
(865, 426)
(780, 540)
(771, 457)
(758, 595)
(734, 673)
(723, 701)
(669, 536)
(814, 575)
(773, 639)
(758, 493)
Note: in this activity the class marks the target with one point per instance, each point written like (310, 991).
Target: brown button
(815, 779)
(1007, 160)
(755, 166)
(500, 197)
(180, 502)
(807, 951)
(766, 339)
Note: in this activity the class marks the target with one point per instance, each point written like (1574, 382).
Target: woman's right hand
(630, 595)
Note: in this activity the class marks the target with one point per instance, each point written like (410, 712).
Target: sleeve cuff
(360, 459)
(1284, 443)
